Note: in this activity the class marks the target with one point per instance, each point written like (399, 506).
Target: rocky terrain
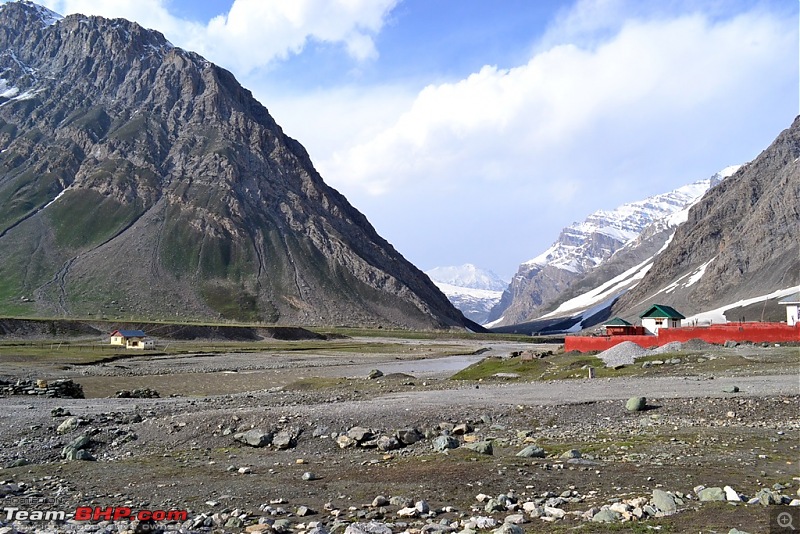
(371, 436)
(138, 180)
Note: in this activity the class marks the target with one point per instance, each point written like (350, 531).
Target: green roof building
(660, 316)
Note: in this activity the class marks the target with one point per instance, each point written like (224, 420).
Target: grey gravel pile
(674, 346)
(623, 354)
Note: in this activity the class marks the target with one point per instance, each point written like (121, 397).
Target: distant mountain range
(472, 290)
(542, 283)
(731, 253)
(138, 180)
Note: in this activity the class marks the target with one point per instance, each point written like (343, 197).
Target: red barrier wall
(753, 332)
(720, 333)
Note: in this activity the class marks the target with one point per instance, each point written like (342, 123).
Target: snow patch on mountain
(717, 316)
(604, 292)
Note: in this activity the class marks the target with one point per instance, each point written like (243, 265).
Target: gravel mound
(623, 354)
(674, 346)
(697, 344)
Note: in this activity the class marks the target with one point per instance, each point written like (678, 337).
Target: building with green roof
(661, 316)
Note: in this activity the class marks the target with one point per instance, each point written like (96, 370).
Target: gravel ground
(180, 452)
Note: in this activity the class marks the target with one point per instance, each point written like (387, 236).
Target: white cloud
(648, 91)
(254, 33)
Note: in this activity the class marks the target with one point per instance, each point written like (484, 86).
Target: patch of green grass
(558, 366)
(88, 218)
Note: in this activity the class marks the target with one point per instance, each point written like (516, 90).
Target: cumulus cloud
(254, 33)
(654, 89)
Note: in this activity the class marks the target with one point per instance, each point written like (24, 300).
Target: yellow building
(132, 339)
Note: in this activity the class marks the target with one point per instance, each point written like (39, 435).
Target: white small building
(792, 308)
(132, 339)
(659, 316)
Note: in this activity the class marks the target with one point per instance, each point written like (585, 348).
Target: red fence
(718, 333)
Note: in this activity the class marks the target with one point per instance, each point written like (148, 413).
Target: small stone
(509, 528)
(345, 441)
(408, 436)
(572, 453)
(481, 447)
(380, 500)
(443, 443)
(68, 425)
(360, 434)
(730, 389)
(636, 404)
(373, 527)
(711, 494)
(303, 511)
(532, 451)
(664, 502)
(375, 373)
(407, 512)
(285, 439)
(767, 497)
(552, 511)
(245, 470)
(387, 443)
(605, 516)
(731, 495)
(308, 475)
(254, 438)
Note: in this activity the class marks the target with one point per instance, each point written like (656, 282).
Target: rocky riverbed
(314, 450)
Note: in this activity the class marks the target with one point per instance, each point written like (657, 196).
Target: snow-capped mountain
(472, 290)
(585, 245)
(467, 276)
(542, 283)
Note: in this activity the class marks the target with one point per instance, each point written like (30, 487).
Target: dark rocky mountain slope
(741, 241)
(140, 180)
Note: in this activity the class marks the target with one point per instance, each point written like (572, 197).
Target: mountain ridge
(738, 242)
(137, 178)
(541, 283)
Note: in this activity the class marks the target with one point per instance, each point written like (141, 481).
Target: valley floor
(179, 452)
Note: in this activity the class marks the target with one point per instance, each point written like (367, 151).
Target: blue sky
(473, 131)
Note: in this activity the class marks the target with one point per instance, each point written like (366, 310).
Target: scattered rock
(254, 438)
(68, 425)
(711, 494)
(481, 447)
(664, 502)
(442, 443)
(606, 516)
(532, 451)
(731, 495)
(375, 373)
(285, 439)
(636, 404)
(730, 389)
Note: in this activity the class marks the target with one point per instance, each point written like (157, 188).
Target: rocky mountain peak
(582, 247)
(138, 178)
